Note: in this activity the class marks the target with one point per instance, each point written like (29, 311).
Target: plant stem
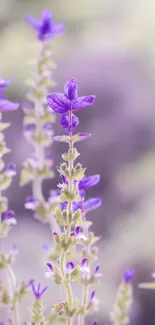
(15, 307)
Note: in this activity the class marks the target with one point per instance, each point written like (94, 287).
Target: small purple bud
(95, 322)
(70, 266)
(84, 261)
(11, 169)
(129, 275)
(30, 202)
(56, 236)
(45, 248)
(37, 290)
(10, 217)
(97, 268)
(64, 179)
(77, 230)
(50, 266)
(92, 295)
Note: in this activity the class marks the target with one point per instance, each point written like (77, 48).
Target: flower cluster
(71, 216)
(38, 121)
(124, 299)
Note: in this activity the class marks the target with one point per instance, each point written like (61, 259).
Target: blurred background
(109, 47)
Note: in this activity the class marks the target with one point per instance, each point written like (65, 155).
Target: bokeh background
(109, 47)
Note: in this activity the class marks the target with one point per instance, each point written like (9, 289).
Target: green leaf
(80, 136)
(5, 182)
(147, 285)
(61, 138)
(25, 177)
(4, 126)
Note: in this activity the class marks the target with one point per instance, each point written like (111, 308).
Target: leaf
(147, 285)
(61, 138)
(80, 136)
(25, 177)
(4, 126)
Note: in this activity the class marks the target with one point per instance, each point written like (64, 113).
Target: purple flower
(37, 290)
(50, 266)
(68, 125)
(95, 322)
(129, 275)
(7, 105)
(77, 230)
(10, 217)
(89, 181)
(11, 169)
(71, 89)
(84, 261)
(4, 83)
(45, 27)
(70, 266)
(91, 204)
(30, 202)
(62, 103)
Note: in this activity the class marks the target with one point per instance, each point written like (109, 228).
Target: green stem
(85, 295)
(12, 281)
(66, 283)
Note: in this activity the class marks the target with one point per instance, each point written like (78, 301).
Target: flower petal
(35, 23)
(57, 29)
(83, 102)
(92, 204)
(71, 89)
(67, 125)
(7, 105)
(58, 102)
(89, 181)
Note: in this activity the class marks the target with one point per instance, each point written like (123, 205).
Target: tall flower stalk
(7, 217)
(38, 121)
(122, 307)
(71, 215)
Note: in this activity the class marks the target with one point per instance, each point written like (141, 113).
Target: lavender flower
(45, 27)
(11, 169)
(61, 103)
(37, 291)
(129, 275)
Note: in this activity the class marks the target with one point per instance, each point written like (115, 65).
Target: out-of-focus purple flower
(7, 105)
(69, 125)
(89, 181)
(50, 266)
(10, 217)
(129, 275)
(4, 83)
(28, 128)
(77, 230)
(69, 266)
(91, 204)
(45, 27)
(37, 290)
(84, 261)
(95, 322)
(45, 248)
(50, 271)
(31, 202)
(11, 170)
(63, 102)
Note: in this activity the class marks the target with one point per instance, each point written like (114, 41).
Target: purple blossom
(63, 102)
(95, 322)
(10, 217)
(84, 261)
(11, 169)
(92, 295)
(70, 266)
(50, 266)
(71, 89)
(4, 83)
(7, 105)
(68, 125)
(45, 27)
(91, 204)
(129, 275)
(30, 202)
(77, 230)
(89, 181)
(37, 290)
